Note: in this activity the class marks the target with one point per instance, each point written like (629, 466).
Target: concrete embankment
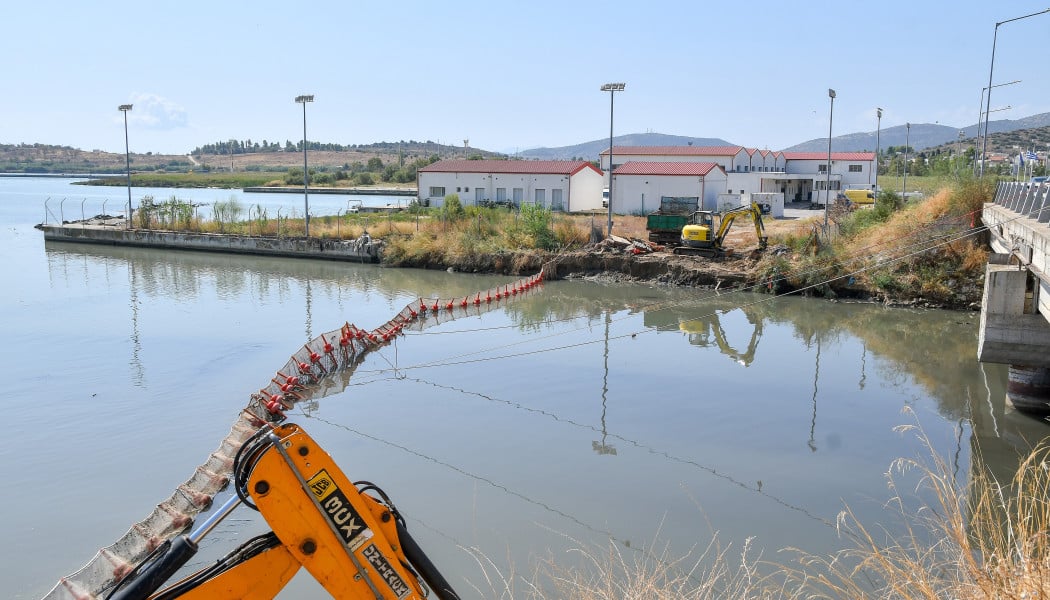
(363, 249)
(353, 191)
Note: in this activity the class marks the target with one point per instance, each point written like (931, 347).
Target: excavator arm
(354, 544)
(755, 211)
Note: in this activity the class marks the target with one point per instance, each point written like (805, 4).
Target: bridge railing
(1031, 200)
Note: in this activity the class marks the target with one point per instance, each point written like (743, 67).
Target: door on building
(479, 195)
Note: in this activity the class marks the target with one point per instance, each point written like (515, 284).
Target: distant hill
(591, 150)
(923, 135)
(1004, 141)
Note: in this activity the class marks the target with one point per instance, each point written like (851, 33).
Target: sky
(507, 76)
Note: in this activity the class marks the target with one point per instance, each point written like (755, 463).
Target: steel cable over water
(315, 370)
(323, 366)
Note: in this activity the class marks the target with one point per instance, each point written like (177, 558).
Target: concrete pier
(363, 249)
(1015, 310)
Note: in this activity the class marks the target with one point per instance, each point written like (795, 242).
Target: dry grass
(987, 539)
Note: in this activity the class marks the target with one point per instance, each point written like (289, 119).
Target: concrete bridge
(1015, 312)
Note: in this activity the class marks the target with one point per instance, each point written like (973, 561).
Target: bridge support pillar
(1013, 332)
(1028, 389)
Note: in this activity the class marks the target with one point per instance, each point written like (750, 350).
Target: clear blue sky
(506, 75)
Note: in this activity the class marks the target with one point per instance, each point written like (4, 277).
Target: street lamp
(985, 115)
(991, 68)
(124, 108)
(907, 142)
(878, 135)
(306, 173)
(827, 186)
(981, 115)
(612, 88)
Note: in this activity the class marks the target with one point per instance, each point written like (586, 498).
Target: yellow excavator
(700, 236)
(353, 543)
(708, 329)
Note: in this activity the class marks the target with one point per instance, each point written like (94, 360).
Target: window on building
(541, 197)
(556, 201)
(459, 189)
(466, 189)
(855, 168)
(437, 192)
(501, 194)
(822, 168)
(519, 195)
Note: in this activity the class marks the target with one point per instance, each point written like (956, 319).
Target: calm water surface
(579, 414)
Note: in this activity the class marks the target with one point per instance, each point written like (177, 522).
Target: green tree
(375, 164)
(453, 208)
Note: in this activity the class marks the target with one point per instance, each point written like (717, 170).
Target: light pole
(981, 115)
(612, 88)
(907, 142)
(991, 68)
(878, 136)
(985, 114)
(124, 108)
(827, 186)
(306, 173)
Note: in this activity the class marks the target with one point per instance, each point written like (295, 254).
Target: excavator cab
(699, 233)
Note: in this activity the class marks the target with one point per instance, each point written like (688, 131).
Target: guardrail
(1029, 199)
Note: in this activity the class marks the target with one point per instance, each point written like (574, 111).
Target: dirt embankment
(744, 270)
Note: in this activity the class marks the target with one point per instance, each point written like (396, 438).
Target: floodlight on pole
(827, 185)
(991, 69)
(878, 139)
(124, 108)
(612, 88)
(306, 173)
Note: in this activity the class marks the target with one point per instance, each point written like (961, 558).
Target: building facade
(638, 186)
(562, 185)
(800, 176)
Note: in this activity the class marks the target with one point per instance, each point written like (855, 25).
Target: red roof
(676, 150)
(522, 167)
(834, 155)
(637, 167)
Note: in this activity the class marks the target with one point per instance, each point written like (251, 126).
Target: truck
(859, 196)
(665, 225)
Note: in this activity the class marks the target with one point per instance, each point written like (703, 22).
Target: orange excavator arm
(354, 544)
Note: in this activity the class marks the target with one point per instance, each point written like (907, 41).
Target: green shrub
(226, 212)
(537, 222)
(453, 208)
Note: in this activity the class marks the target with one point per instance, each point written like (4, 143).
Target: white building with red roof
(564, 185)
(638, 186)
(799, 176)
(730, 158)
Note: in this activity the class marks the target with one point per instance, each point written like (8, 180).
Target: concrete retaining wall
(363, 249)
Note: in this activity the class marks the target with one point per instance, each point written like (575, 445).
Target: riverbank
(926, 253)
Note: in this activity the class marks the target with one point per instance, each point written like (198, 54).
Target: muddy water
(577, 415)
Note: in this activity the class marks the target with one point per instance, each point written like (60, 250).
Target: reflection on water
(759, 415)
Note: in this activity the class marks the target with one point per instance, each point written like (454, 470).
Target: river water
(581, 413)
